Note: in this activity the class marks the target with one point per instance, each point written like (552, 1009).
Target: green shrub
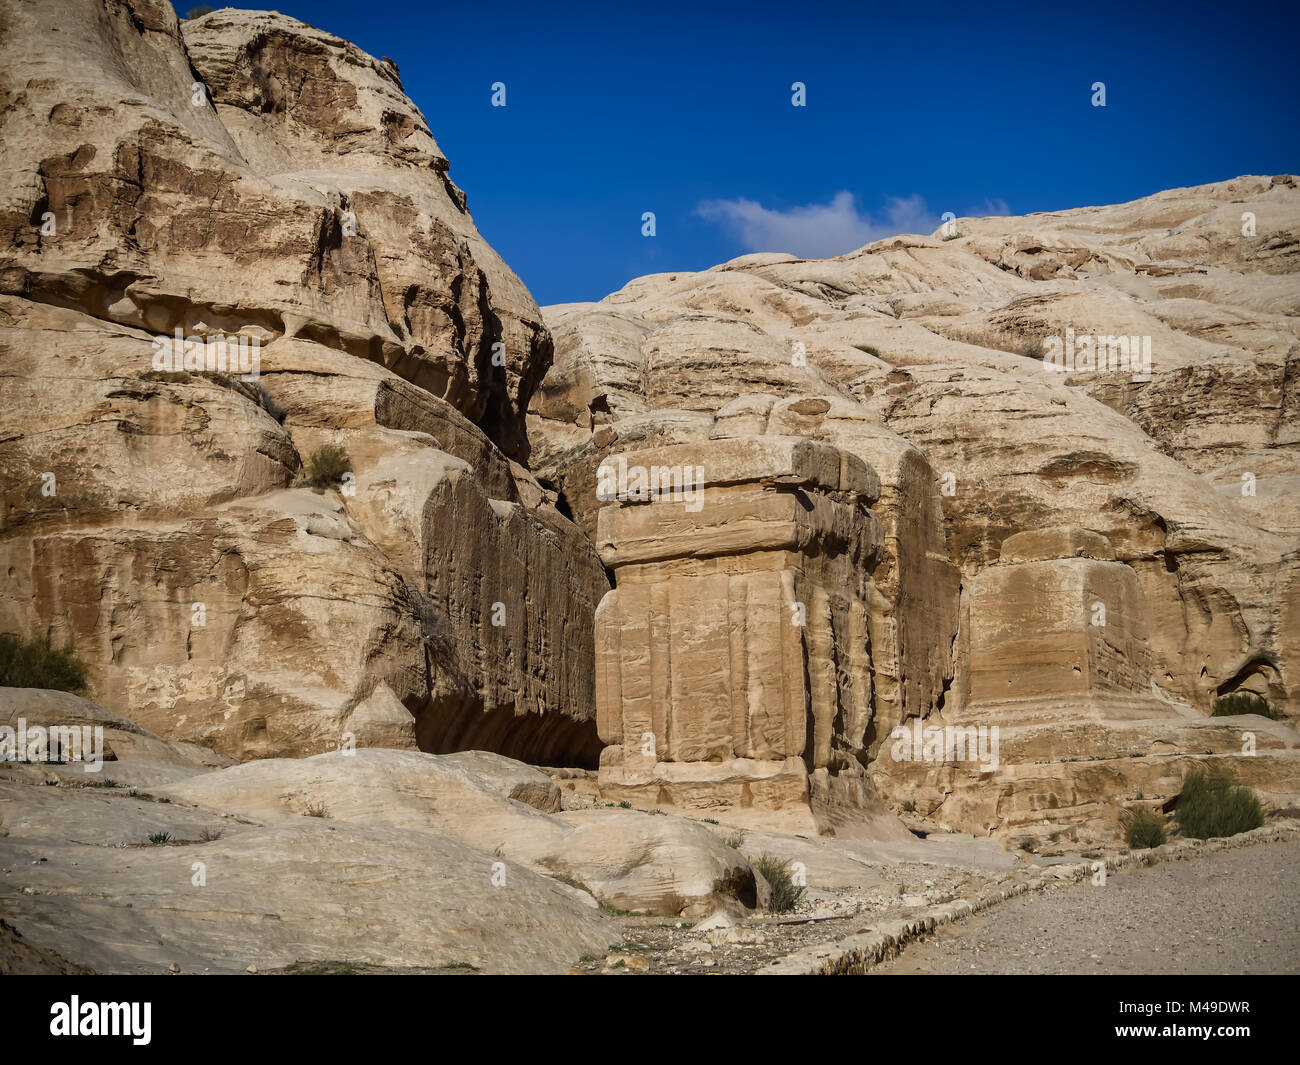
(785, 893)
(1211, 806)
(1243, 703)
(1145, 828)
(38, 664)
(327, 466)
(160, 838)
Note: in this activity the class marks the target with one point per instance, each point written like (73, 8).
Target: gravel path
(1233, 912)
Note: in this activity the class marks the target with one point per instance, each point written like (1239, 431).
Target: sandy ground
(1234, 912)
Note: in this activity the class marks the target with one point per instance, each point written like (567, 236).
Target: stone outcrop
(923, 466)
(244, 175)
(326, 860)
(733, 656)
(1058, 620)
(402, 860)
(127, 753)
(1056, 725)
(929, 358)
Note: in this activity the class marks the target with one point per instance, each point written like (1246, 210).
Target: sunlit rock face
(267, 193)
(1069, 409)
(1035, 474)
(733, 657)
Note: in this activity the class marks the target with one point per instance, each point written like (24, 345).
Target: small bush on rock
(785, 892)
(327, 466)
(1212, 806)
(38, 664)
(1145, 828)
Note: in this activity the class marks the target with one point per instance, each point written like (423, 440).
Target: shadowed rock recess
(811, 550)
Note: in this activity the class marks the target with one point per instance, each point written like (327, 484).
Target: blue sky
(913, 108)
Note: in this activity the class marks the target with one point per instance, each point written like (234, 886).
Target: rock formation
(1054, 703)
(1015, 496)
(732, 657)
(245, 176)
(298, 466)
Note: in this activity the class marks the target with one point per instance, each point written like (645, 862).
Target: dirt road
(1234, 912)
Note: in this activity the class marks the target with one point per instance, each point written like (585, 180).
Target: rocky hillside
(1085, 427)
(296, 463)
(924, 356)
(245, 176)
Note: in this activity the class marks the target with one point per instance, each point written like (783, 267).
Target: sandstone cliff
(245, 178)
(230, 245)
(933, 360)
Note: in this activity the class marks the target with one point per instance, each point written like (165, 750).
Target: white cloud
(818, 231)
(996, 208)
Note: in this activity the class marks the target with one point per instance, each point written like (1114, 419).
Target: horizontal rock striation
(1078, 408)
(244, 179)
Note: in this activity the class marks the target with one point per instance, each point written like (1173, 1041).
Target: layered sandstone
(733, 655)
(1063, 724)
(1013, 497)
(244, 175)
(904, 515)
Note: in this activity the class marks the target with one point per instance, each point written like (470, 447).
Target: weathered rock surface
(306, 890)
(246, 175)
(925, 470)
(660, 864)
(632, 861)
(932, 360)
(733, 672)
(124, 743)
(1056, 724)
(385, 857)
(511, 779)
(390, 881)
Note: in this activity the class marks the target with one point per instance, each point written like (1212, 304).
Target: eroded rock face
(629, 860)
(885, 442)
(733, 657)
(254, 178)
(1049, 623)
(932, 360)
(1056, 724)
(297, 190)
(122, 871)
